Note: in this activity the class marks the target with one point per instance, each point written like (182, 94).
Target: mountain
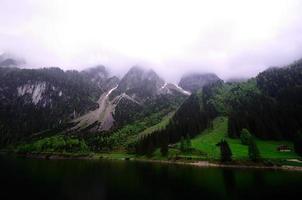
(99, 76)
(8, 63)
(194, 115)
(272, 107)
(194, 82)
(87, 101)
(33, 100)
(269, 106)
(141, 85)
(140, 82)
(112, 113)
(7, 60)
(138, 94)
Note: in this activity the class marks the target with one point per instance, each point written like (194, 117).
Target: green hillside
(162, 124)
(207, 140)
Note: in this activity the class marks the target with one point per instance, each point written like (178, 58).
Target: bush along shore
(211, 148)
(276, 164)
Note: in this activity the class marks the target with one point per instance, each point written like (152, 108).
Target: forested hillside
(269, 106)
(33, 100)
(108, 114)
(272, 110)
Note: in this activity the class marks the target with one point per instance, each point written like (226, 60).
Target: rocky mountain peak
(97, 72)
(138, 78)
(7, 60)
(8, 63)
(100, 77)
(194, 82)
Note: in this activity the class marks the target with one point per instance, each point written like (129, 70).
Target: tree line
(192, 117)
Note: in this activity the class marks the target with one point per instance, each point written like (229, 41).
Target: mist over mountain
(193, 82)
(7, 60)
(39, 99)
(94, 102)
(228, 40)
(106, 99)
(89, 100)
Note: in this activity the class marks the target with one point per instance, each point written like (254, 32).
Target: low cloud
(231, 38)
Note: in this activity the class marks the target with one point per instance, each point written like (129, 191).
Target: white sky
(228, 37)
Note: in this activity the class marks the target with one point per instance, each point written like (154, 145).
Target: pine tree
(182, 144)
(253, 151)
(225, 151)
(150, 146)
(298, 143)
(188, 142)
(164, 146)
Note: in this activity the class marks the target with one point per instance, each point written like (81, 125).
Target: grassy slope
(207, 140)
(158, 126)
(149, 130)
(206, 143)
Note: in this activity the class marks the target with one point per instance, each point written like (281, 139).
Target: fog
(232, 38)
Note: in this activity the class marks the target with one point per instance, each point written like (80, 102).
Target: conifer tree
(253, 151)
(188, 142)
(182, 144)
(225, 151)
(150, 146)
(298, 143)
(164, 146)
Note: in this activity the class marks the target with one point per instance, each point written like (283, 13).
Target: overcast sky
(229, 37)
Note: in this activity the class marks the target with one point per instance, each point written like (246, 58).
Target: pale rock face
(182, 90)
(162, 87)
(35, 90)
(136, 90)
(102, 115)
(169, 88)
(140, 84)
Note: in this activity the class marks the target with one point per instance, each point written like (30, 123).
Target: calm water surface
(84, 179)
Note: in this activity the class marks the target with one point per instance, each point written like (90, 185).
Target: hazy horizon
(230, 38)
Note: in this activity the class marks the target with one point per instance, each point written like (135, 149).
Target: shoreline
(200, 163)
(208, 164)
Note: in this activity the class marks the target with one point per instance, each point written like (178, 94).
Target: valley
(142, 117)
(151, 100)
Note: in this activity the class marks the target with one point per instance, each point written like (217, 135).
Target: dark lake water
(84, 179)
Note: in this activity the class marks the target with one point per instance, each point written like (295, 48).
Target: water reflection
(229, 183)
(80, 179)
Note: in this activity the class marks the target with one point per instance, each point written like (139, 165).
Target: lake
(99, 179)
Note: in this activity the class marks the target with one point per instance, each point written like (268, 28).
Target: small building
(284, 148)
